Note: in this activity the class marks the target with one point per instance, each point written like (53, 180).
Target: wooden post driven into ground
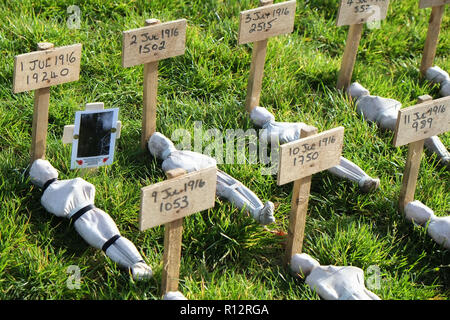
(150, 95)
(167, 203)
(434, 27)
(412, 166)
(414, 124)
(355, 13)
(256, 69)
(40, 116)
(349, 57)
(257, 26)
(173, 236)
(299, 210)
(38, 71)
(148, 45)
(299, 160)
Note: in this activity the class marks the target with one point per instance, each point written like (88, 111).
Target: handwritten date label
(153, 43)
(361, 11)
(40, 69)
(432, 3)
(177, 198)
(267, 21)
(304, 157)
(422, 121)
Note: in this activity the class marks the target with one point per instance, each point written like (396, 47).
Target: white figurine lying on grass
(439, 76)
(285, 132)
(384, 112)
(174, 295)
(437, 227)
(74, 199)
(332, 282)
(227, 187)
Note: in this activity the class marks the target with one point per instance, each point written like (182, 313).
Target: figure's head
(303, 263)
(356, 90)
(417, 212)
(160, 146)
(41, 171)
(436, 75)
(261, 116)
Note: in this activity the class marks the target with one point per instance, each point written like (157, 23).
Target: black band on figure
(110, 242)
(80, 212)
(48, 183)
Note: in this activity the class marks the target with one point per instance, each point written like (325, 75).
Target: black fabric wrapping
(110, 242)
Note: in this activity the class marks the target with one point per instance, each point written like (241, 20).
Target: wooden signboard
(361, 11)
(355, 13)
(304, 157)
(167, 203)
(434, 28)
(147, 46)
(414, 124)
(257, 25)
(177, 198)
(298, 161)
(432, 3)
(39, 71)
(267, 21)
(422, 121)
(45, 68)
(153, 43)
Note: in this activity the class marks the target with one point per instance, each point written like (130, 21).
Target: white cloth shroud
(284, 132)
(437, 75)
(332, 282)
(227, 187)
(384, 112)
(174, 295)
(65, 198)
(438, 228)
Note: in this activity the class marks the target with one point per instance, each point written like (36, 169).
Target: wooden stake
(40, 116)
(431, 41)
(256, 69)
(411, 173)
(349, 57)
(299, 209)
(173, 234)
(412, 167)
(150, 96)
(256, 75)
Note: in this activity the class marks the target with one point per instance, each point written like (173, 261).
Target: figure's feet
(265, 215)
(174, 295)
(368, 184)
(141, 271)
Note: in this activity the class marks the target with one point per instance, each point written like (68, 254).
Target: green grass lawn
(226, 255)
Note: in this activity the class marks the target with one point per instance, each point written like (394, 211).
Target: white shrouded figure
(332, 282)
(174, 295)
(227, 187)
(384, 112)
(74, 199)
(439, 76)
(284, 132)
(438, 228)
